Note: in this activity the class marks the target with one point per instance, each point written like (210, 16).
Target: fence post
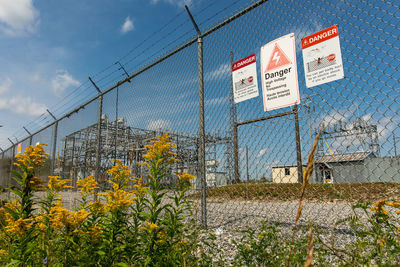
(247, 172)
(98, 140)
(202, 135)
(298, 144)
(235, 133)
(30, 135)
(11, 165)
(202, 156)
(53, 156)
(55, 159)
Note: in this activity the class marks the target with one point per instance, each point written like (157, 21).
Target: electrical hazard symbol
(277, 59)
(279, 73)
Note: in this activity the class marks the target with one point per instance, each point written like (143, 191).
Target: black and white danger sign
(322, 57)
(279, 73)
(244, 78)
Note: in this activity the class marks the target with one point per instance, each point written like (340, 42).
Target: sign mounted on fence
(19, 148)
(279, 73)
(322, 57)
(244, 79)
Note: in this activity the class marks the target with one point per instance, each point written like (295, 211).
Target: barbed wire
(82, 93)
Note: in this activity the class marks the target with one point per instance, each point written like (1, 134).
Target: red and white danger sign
(244, 79)
(322, 57)
(279, 73)
(19, 148)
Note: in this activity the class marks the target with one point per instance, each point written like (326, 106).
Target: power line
(59, 108)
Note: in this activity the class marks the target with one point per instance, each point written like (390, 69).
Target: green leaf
(100, 252)
(147, 215)
(18, 192)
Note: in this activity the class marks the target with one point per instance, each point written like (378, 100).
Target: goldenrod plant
(142, 222)
(19, 220)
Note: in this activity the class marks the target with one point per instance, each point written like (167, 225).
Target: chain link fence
(248, 163)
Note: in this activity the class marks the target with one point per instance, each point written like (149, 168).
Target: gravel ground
(225, 218)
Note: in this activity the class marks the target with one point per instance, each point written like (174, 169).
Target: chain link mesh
(357, 155)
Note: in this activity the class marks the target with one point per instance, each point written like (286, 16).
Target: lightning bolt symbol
(276, 58)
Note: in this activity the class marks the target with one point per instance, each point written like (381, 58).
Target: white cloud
(220, 72)
(5, 85)
(262, 152)
(35, 78)
(22, 105)
(179, 3)
(158, 124)
(18, 17)
(216, 101)
(62, 81)
(127, 26)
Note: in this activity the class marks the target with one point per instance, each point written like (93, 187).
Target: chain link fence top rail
(360, 114)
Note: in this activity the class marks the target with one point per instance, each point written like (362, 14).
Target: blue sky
(49, 48)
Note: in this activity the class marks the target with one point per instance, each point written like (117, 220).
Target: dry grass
(267, 192)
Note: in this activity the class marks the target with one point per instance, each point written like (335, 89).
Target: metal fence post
(98, 140)
(53, 156)
(298, 144)
(30, 135)
(247, 172)
(98, 145)
(235, 133)
(11, 165)
(202, 136)
(202, 156)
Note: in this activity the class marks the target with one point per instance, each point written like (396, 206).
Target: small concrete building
(285, 174)
(342, 168)
(357, 167)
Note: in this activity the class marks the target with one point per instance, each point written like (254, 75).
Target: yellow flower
(140, 186)
(119, 200)
(160, 150)
(96, 207)
(3, 253)
(185, 179)
(15, 205)
(33, 157)
(37, 183)
(40, 223)
(378, 207)
(381, 242)
(95, 233)
(61, 217)
(19, 226)
(144, 164)
(56, 185)
(4, 215)
(121, 175)
(87, 185)
(394, 204)
(152, 226)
